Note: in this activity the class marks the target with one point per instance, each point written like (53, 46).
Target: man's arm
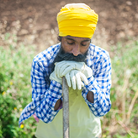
(58, 104)
(90, 97)
(47, 107)
(45, 98)
(97, 92)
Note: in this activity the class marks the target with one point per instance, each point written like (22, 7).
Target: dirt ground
(34, 21)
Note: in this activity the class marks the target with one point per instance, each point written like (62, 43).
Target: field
(22, 37)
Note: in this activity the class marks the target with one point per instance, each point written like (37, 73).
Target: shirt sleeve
(100, 85)
(44, 95)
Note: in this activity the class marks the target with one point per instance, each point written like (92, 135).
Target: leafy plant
(15, 90)
(124, 94)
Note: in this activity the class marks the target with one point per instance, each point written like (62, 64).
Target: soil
(35, 20)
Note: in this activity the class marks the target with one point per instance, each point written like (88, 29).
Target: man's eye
(84, 44)
(70, 43)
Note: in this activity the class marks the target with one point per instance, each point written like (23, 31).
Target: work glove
(87, 71)
(53, 76)
(76, 79)
(60, 70)
(63, 67)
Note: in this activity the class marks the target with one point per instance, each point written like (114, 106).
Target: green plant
(15, 90)
(124, 94)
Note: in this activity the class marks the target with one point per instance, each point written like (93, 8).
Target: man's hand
(63, 67)
(75, 73)
(53, 76)
(76, 79)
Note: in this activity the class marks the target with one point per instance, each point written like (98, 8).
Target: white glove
(87, 71)
(63, 67)
(53, 76)
(75, 79)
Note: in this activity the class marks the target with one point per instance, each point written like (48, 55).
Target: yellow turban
(77, 20)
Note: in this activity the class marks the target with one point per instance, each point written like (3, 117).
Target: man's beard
(68, 57)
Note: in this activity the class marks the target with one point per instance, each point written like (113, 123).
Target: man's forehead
(77, 38)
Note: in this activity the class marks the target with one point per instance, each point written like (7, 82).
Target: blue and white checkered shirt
(46, 92)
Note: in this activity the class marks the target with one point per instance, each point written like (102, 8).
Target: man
(87, 69)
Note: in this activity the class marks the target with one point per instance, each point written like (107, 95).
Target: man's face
(72, 49)
(75, 45)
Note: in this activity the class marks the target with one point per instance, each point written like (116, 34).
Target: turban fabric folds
(77, 20)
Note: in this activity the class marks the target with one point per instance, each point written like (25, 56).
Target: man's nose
(76, 50)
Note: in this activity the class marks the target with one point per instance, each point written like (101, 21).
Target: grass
(15, 91)
(122, 120)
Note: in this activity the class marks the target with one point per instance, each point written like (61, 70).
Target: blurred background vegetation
(28, 27)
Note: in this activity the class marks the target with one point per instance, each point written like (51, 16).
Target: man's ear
(59, 38)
